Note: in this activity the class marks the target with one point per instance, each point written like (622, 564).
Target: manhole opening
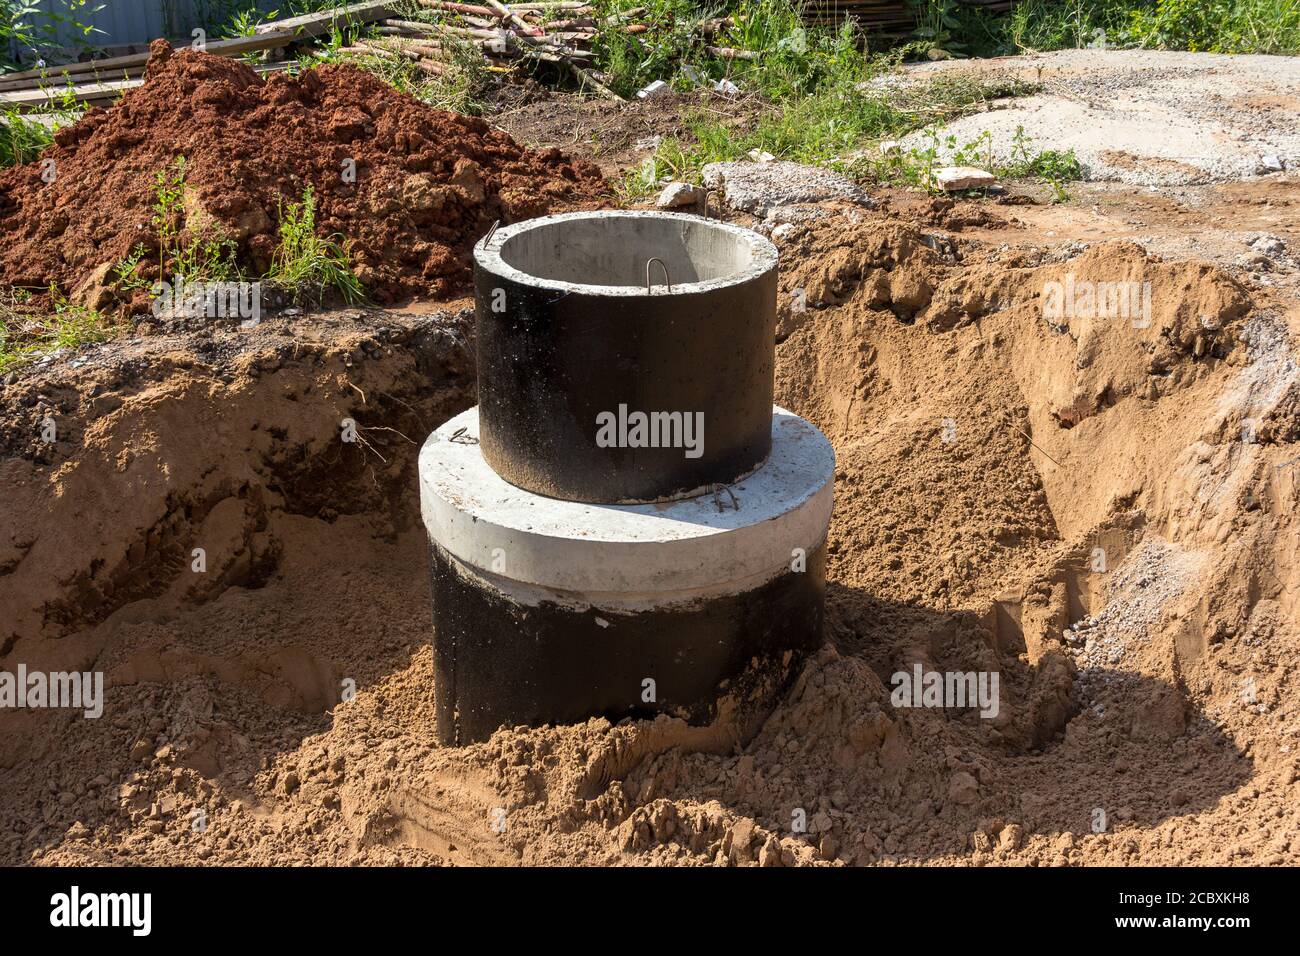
(610, 249)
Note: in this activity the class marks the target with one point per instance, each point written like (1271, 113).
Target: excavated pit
(230, 691)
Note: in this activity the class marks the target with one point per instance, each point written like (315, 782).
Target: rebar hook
(708, 194)
(663, 265)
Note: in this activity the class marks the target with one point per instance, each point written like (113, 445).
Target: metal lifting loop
(663, 265)
(491, 232)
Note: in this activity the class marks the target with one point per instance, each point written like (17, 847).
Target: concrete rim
(632, 550)
(487, 255)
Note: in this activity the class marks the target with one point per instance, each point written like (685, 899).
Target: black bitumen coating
(551, 362)
(497, 662)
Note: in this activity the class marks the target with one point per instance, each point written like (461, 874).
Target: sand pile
(985, 456)
(427, 183)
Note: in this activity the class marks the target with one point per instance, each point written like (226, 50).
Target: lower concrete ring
(549, 611)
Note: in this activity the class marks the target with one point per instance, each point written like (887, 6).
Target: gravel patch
(1142, 117)
(761, 188)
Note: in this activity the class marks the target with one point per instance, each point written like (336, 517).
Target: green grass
(309, 265)
(23, 135)
(825, 127)
(1214, 26)
(633, 61)
(306, 265)
(26, 334)
(917, 166)
(811, 86)
(1052, 166)
(21, 139)
(1218, 26)
(198, 251)
(789, 58)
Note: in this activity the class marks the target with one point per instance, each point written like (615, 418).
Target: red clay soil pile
(428, 183)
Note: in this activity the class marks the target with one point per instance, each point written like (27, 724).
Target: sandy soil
(1149, 710)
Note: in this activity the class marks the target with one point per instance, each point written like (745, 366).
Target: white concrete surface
(1144, 117)
(646, 554)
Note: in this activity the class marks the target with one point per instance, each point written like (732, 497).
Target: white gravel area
(1143, 117)
(759, 188)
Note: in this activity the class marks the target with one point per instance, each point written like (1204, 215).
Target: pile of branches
(550, 31)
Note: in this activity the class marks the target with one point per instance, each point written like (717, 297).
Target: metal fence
(139, 21)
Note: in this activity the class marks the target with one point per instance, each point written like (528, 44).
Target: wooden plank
(455, 7)
(535, 44)
(314, 24)
(60, 83)
(90, 93)
(232, 47)
(72, 68)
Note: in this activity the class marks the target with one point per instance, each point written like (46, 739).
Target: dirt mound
(427, 183)
(1146, 703)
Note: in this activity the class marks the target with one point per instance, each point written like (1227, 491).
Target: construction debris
(555, 32)
(758, 188)
(956, 178)
(681, 195)
(653, 89)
